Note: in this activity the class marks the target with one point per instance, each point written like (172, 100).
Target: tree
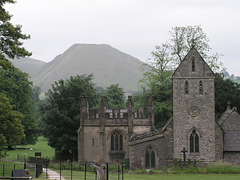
(11, 129)
(160, 67)
(115, 96)
(61, 113)
(15, 85)
(182, 39)
(10, 37)
(226, 91)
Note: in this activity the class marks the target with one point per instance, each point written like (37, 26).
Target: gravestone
(20, 173)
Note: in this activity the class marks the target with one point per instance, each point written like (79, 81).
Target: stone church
(120, 135)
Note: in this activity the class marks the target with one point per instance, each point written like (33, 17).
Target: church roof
(230, 124)
(183, 69)
(231, 140)
(140, 138)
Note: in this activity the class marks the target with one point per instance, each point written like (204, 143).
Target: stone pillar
(103, 109)
(151, 112)
(130, 106)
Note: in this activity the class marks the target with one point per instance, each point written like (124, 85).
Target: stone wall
(219, 143)
(204, 122)
(232, 157)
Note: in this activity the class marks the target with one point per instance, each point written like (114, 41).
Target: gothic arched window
(200, 87)
(193, 64)
(194, 142)
(150, 157)
(186, 87)
(116, 141)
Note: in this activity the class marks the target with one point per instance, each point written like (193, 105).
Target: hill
(109, 66)
(28, 65)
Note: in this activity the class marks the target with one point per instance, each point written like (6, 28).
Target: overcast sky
(132, 26)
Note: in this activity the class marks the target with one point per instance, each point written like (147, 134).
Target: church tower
(194, 109)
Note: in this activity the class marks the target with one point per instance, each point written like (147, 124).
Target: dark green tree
(226, 91)
(11, 129)
(115, 96)
(61, 113)
(11, 37)
(15, 85)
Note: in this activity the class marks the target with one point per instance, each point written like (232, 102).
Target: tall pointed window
(116, 141)
(200, 87)
(186, 87)
(150, 157)
(193, 64)
(194, 142)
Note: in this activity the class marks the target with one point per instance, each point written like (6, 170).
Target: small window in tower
(186, 87)
(200, 87)
(193, 64)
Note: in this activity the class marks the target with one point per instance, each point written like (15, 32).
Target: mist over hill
(109, 66)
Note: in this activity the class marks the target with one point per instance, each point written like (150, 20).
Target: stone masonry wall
(204, 122)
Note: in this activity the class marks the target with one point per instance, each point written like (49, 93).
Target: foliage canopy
(11, 129)
(115, 96)
(60, 113)
(157, 80)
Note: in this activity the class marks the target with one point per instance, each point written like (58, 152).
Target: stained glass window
(150, 157)
(194, 142)
(116, 141)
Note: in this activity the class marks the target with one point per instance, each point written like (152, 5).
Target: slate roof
(231, 140)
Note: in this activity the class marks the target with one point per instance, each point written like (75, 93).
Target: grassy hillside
(108, 65)
(28, 65)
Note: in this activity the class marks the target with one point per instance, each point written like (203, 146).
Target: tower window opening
(193, 64)
(200, 87)
(186, 87)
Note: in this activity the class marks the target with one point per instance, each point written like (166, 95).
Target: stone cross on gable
(184, 154)
(228, 105)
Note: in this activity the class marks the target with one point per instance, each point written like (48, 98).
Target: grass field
(10, 162)
(182, 177)
(40, 146)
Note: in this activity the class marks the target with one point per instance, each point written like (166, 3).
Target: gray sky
(132, 26)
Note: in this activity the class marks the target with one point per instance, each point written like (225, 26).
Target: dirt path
(53, 174)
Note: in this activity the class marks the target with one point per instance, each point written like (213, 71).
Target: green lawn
(15, 158)
(77, 175)
(40, 146)
(182, 177)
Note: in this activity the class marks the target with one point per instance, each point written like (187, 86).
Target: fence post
(122, 172)
(118, 171)
(3, 169)
(46, 170)
(14, 166)
(71, 170)
(60, 171)
(85, 169)
(96, 174)
(107, 171)
(25, 165)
